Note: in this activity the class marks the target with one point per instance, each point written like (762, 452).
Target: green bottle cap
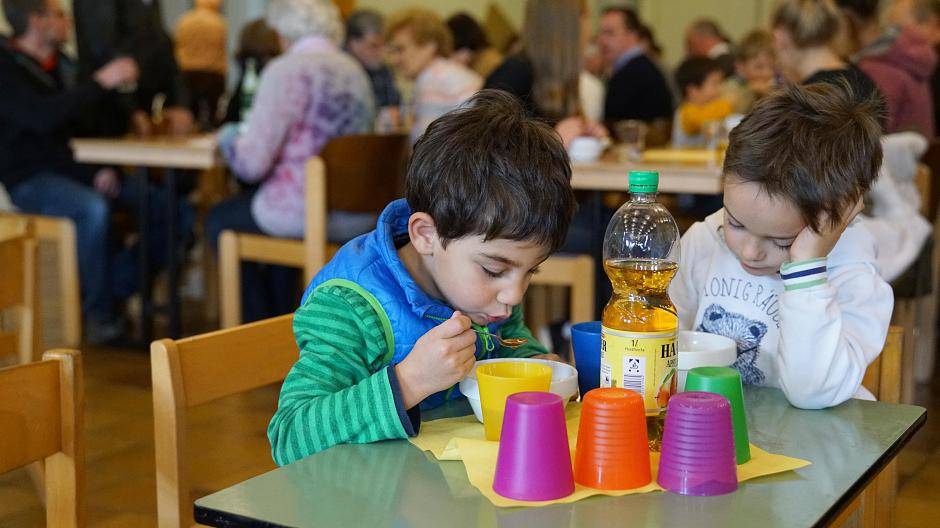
(644, 181)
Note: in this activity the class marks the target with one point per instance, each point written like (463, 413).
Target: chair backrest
(41, 419)
(19, 287)
(198, 370)
(360, 173)
(883, 376)
(57, 273)
(364, 172)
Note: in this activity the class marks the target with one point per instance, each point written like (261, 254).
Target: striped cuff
(803, 274)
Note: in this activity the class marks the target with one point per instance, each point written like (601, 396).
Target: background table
(609, 174)
(195, 153)
(395, 484)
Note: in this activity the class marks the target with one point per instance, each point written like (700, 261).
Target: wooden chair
(19, 286)
(57, 261)
(41, 419)
(875, 506)
(917, 315)
(198, 370)
(360, 173)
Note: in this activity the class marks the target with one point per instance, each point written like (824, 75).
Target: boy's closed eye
(497, 274)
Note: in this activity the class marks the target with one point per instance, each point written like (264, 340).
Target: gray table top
(395, 484)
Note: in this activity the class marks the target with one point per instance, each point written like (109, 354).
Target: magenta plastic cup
(534, 460)
(698, 456)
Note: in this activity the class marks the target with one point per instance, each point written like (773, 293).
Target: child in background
(783, 269)
(699, 80)
(401, 314)
(754, 71)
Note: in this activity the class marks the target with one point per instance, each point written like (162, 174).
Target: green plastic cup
(726, 382)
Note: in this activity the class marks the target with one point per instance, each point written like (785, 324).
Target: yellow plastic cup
(498, 381)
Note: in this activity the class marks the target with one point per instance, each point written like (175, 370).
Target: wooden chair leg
(230, 294)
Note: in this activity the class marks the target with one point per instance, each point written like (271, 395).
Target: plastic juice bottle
(639, 325)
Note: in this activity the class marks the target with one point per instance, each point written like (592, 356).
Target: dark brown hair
(693, 72)
(818, 146)
(17, 13)
(488, 169)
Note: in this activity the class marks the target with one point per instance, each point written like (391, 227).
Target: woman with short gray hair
(307, 96)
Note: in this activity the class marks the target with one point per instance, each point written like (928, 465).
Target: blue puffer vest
(369, 264)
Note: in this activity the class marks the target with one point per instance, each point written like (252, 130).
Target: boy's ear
(423, 233)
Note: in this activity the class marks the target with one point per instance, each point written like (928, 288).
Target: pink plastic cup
(534, 460)
(698, 456)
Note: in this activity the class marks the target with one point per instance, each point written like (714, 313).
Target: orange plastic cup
(500, 380)
(612, 454)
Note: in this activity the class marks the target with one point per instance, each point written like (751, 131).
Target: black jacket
(638, 90)
(39, 112)
(107, 29)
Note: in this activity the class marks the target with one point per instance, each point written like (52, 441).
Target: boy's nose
(511, 296)
(751, 250)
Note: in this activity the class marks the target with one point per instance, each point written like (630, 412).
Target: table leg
(173, 259)
(143, 257)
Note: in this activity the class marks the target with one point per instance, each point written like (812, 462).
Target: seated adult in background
(805, 33)
(365, 40)
(257, 45)
(471, 46)
(419, 47)
(41, 107)
(899, 59)
(107, 29)
(704, 38)
(200, 52)
(309, 95)
(547, 73)
(637, 89)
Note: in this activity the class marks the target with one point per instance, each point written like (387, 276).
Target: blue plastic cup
(586, 345)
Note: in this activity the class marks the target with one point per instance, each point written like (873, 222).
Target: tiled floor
(120, 467)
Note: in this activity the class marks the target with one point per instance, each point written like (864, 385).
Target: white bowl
(585, 149)
(564, 382)
(700, 349)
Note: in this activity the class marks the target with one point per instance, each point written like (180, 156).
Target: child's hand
(810, 244)
(441, 357)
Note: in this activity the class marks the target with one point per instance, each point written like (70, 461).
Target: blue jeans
(267, 290)
(107, 273)
(55, 195)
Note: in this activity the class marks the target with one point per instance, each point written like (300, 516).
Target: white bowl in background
(564, 382)
(701, 349)
(585, 149)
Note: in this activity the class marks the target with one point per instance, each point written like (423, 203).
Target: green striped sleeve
(339, 389)
(515, 327)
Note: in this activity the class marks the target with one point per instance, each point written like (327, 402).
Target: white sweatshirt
(811, 334)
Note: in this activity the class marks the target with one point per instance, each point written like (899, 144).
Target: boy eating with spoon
(401, 314)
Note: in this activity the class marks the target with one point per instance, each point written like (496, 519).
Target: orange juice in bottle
(639, 325)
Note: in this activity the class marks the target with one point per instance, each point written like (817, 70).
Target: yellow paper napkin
(462, 439)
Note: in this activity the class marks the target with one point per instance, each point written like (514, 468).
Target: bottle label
(645, 362)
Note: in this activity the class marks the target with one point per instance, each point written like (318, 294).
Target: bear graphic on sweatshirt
(747, 335)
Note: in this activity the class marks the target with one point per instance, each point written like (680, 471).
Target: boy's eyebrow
(742, 223)
(501, 259)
